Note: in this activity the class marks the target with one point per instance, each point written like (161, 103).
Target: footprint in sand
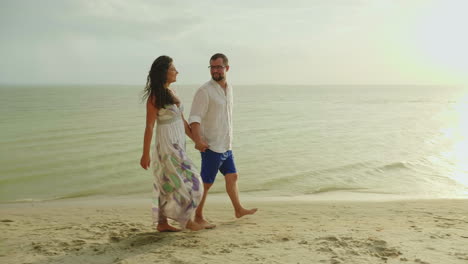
(439, 235)
(226, 250)
(421, 261)
(416, 228)
(345, 247)
(461, 256)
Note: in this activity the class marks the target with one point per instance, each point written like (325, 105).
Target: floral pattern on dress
(177, 188)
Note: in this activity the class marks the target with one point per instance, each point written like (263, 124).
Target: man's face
(218, 69)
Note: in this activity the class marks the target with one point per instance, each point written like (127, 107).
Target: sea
(406, 141)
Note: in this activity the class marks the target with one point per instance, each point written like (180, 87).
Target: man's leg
(233, 192)
(209, 168)
(199, 217)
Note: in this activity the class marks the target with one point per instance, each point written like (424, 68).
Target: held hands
(145, 161)
(201, 146)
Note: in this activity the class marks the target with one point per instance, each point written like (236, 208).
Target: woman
(177, 187)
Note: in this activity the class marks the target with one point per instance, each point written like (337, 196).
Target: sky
(310, 42)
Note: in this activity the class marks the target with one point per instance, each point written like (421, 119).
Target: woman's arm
(188, 130)
(151, 115)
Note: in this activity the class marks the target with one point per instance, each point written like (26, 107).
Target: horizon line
(237, 84)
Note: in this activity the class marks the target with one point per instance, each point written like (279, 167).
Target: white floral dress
(177, 188)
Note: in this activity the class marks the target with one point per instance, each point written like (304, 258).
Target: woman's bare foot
(165, 227)
(194, 226)
(243, 212)
(207, 225)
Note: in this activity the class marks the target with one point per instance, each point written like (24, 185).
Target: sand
(119, 230)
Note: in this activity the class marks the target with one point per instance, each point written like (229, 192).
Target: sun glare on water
(457, 134)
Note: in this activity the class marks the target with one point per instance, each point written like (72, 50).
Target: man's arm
(200, 144)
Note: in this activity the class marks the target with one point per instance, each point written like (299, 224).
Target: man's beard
(220, 77)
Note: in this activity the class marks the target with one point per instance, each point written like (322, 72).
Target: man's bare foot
(243, 212)
(204, 223)
(166, 228)
(194, 226)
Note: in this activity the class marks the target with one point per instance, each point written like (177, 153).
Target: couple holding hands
(179, 189)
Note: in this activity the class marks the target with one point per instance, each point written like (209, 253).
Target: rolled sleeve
(199, 106)
(194, 119)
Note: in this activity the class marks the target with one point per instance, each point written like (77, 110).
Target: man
(211, 123)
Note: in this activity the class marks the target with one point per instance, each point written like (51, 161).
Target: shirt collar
(217, 86)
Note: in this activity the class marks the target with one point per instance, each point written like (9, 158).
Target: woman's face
(172, 74)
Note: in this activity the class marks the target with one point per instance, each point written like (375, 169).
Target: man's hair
(222, 56)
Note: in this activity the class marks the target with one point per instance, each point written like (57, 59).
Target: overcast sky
(267, 42)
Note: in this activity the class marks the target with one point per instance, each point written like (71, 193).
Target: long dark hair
(157, 78)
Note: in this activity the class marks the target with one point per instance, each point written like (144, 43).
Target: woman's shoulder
(151, 100)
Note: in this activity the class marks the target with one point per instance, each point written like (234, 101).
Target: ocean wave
(326, 189)
(338, 169)
(399, 165)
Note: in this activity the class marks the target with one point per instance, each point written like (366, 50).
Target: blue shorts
(212, 161)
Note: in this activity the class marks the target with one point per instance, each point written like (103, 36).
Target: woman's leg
(163, 225)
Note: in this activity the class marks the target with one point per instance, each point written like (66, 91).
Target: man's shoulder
(206, 85)
(205, 88)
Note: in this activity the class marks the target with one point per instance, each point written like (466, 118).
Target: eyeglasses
(217, 67)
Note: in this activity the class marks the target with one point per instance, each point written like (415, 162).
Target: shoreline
(340, 196)
(294, 231)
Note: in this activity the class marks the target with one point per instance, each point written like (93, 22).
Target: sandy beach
(288, 231)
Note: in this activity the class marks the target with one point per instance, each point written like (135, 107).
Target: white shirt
(212, 108)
